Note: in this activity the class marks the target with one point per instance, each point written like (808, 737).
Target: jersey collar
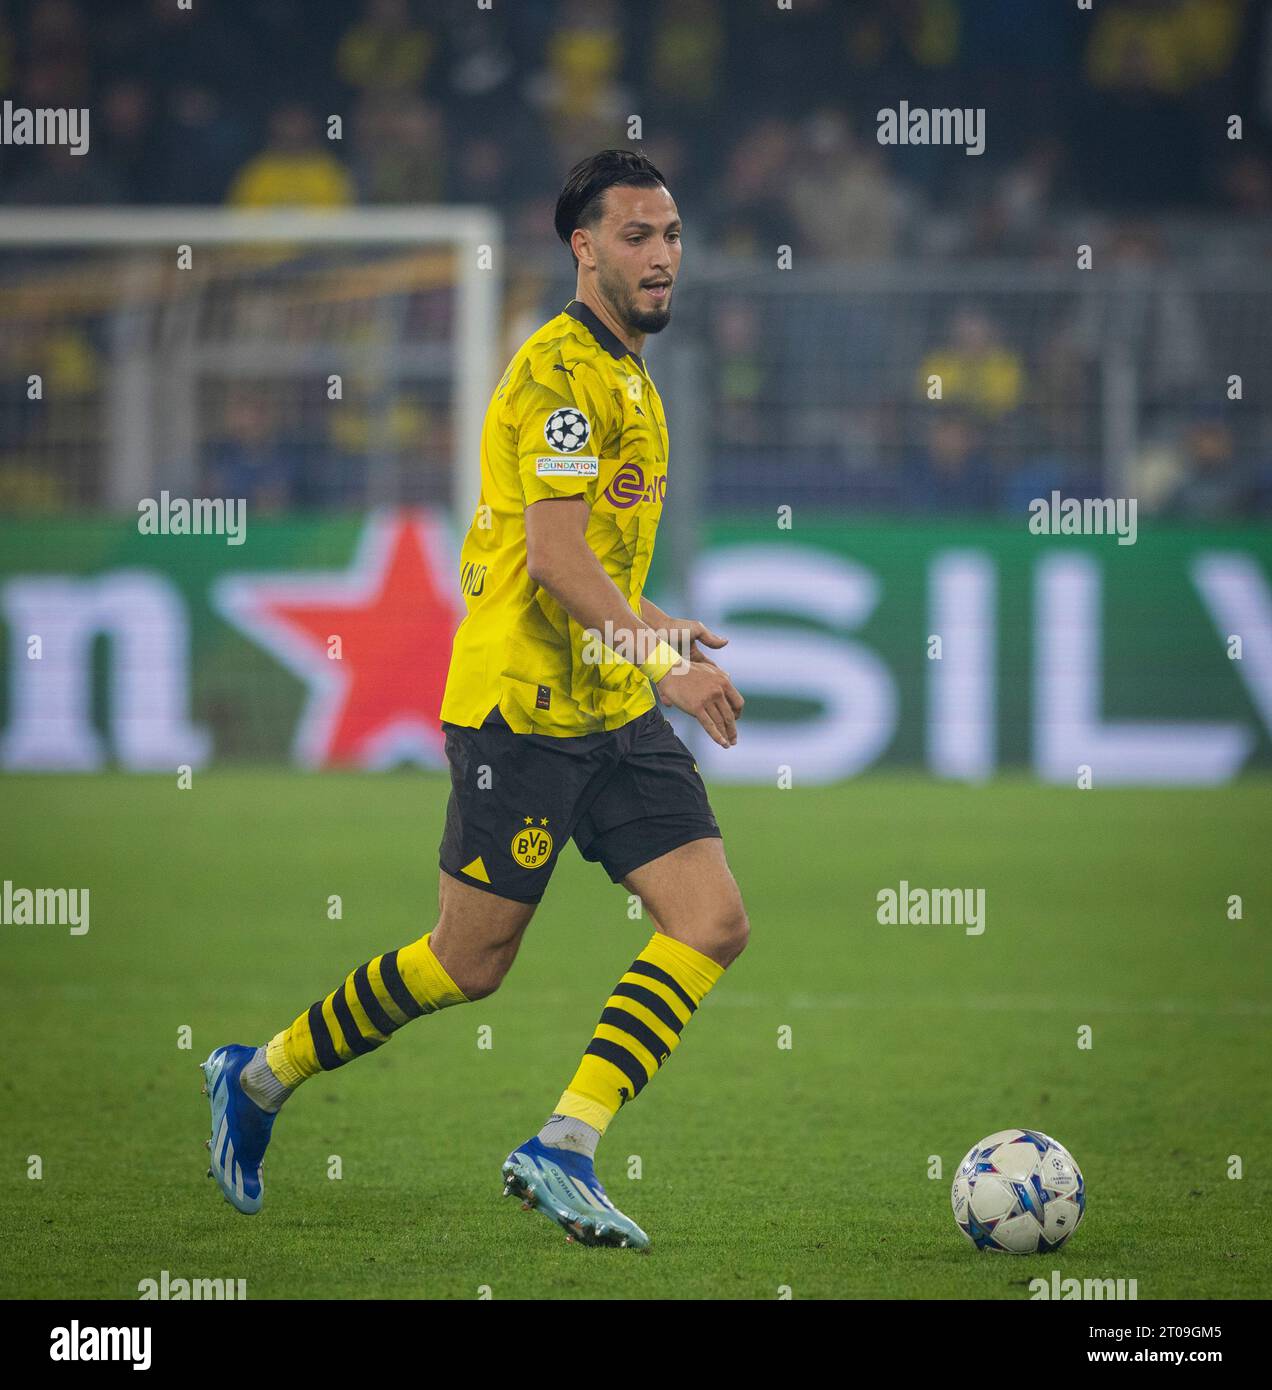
(608, 340)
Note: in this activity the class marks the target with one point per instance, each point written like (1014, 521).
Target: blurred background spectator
(973, 368)
(951, 474)
(294, 169)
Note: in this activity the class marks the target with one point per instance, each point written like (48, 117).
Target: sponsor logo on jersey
(628, 486)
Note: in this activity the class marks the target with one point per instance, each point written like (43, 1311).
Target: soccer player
(553, 728)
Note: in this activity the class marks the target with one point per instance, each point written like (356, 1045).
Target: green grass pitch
(761, 1167)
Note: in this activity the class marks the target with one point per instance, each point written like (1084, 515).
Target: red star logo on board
(390, 616)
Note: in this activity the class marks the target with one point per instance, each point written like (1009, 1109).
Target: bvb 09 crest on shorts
(532, 844)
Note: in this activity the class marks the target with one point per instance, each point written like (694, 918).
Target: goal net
(305, 360)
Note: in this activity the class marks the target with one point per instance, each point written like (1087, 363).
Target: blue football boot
(240, 1129)
(564, 1187)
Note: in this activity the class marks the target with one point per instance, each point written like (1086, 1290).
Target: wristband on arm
(664, 658)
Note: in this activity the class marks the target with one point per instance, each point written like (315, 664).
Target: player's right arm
(559, 558)
(559, 485)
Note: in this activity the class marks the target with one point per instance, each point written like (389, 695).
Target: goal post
(394, 312)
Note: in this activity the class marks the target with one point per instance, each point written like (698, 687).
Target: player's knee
(738, 930)
(481, 977)
(729, 932)
(478, 971)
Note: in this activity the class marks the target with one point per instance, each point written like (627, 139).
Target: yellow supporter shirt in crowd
(302, 180)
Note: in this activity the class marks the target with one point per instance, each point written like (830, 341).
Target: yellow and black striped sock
(639, 1029)
(364, 1013)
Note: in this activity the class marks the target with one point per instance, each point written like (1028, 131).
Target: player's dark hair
(582, 199)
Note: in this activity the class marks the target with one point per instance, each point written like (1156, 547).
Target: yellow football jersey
(575, 414)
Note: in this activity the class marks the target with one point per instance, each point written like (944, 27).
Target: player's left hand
(685, 633)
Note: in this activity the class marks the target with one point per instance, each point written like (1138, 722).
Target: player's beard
(629, 311)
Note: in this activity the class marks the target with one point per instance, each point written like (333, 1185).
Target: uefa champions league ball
(1020, 1192)
(567, 430)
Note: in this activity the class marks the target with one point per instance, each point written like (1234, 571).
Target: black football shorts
(625, 796)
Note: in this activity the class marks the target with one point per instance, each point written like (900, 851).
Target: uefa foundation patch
(552, 466)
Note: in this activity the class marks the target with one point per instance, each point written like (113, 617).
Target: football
(1019, 1192)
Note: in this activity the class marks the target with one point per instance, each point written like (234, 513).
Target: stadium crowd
(441, 100)
(763, 121)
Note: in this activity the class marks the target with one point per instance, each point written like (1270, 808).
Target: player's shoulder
(561, 359)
